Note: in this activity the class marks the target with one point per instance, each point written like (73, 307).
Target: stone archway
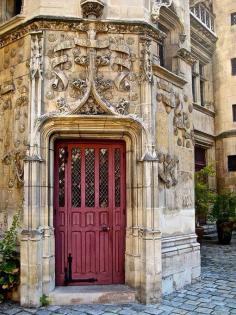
(143, 241)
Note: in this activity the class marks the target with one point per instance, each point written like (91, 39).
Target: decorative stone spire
(92, 9)
(157, 4)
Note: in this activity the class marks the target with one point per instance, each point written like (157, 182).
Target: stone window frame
(3, 11)
(204, 15)
(199, 80)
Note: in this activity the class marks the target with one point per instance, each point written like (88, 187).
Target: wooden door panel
(90, 218)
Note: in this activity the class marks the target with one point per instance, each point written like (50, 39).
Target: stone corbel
(157, 4)
(186, 55)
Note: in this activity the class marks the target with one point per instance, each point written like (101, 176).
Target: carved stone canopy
(92, 8)
(157, 4)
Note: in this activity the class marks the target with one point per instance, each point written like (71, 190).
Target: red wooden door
(89, 202)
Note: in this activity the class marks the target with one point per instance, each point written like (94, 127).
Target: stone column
(150, 235)
(32, 235)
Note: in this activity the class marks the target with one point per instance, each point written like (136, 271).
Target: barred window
(232, 163)
(234, 112)
(233, 66)
(233, 18)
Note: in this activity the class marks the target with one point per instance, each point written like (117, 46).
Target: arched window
(9, 9)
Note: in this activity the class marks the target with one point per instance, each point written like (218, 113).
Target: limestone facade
(94, 70)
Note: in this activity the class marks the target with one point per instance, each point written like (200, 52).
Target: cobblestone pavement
(214, 294)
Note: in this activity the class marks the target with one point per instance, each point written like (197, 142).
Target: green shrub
(204, 196)
(9, 262)
(44, 300)
(224, 208)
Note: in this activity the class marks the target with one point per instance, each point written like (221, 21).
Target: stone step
(211, 236)
(94, 294)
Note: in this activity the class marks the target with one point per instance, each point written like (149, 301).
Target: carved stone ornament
(157, 4)
(91, 108)
(168, 169)
(182, 127)
(15, 160)
(186, 55)
(123, 107)
(146, 60)
(92, 54)
(36, 56)
(92, 8)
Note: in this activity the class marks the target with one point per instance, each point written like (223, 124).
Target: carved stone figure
(168, 169)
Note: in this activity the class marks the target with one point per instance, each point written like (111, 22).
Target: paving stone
(203, 310)
(215, 294)
(12, 311)
(43, 312)
(188, 307)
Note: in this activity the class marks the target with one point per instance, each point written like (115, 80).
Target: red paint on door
(89, 204)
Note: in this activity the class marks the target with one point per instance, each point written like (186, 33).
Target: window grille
(233, 18)
(233, 66)
(232, 163)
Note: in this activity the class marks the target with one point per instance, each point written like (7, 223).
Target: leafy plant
(204, 196)
(9, 263)
(44, 300)
(224, 208)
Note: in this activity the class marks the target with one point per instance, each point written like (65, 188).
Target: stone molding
(163, 73)
(69, 24)
(204, 110)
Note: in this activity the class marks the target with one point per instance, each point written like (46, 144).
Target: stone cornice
(78, 24)
(163, 73)
(203, 110)
(226, 134)
(203, 139)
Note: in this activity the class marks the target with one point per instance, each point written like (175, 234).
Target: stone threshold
(93, 294)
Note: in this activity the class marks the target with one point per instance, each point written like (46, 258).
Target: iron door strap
(68, 274)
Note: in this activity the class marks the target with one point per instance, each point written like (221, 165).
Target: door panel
(89, 207)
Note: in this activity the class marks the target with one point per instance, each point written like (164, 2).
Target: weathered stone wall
(224, 88)
(14, 105)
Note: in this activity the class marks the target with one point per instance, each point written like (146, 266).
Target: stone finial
(92, 8)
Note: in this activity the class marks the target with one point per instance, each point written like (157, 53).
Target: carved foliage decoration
(36, 55)
(146, 60)
(90, 56)
(168, 169)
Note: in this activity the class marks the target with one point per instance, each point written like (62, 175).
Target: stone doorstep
(96, 294)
